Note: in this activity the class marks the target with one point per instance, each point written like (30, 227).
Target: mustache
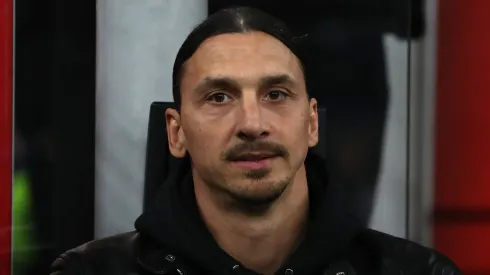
(272, 148)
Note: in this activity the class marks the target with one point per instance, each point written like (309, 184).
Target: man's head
(244, 116)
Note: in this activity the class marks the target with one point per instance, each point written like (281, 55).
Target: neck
(261, 242)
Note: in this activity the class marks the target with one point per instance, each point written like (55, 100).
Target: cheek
(198, 139)
(203, 142)
(298, 135)
(206, 131)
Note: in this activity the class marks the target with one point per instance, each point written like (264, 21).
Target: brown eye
(218, 98)
(275, 95)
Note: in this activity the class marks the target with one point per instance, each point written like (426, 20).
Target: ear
(175, 134)
(313, 123)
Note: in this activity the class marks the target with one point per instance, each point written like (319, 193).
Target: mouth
(254, 156)
(254, 161)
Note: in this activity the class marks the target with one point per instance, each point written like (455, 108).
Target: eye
(218, 98)
(276, 95)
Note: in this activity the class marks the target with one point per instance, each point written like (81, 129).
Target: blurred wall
(462, 189)
(422, 128)
(390, 203)
(136, 45)
(6, 77)
(392, 211)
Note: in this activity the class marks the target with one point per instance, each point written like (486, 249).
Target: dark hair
(230, 20)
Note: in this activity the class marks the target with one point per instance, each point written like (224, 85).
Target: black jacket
(170, 238)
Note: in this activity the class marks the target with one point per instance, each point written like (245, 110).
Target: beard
(254, 191)
(255, 201)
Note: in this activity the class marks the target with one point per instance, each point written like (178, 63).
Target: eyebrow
(231, 83)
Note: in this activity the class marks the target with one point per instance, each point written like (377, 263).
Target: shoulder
(117, 250)
(404, 256)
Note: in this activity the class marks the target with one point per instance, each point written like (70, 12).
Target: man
(251, 199)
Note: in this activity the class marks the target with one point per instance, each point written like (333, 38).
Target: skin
(244, 99)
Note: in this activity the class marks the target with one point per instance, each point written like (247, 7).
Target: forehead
(242, 56)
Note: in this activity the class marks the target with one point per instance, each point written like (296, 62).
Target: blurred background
(404, 84)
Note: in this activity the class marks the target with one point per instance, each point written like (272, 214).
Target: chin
(251, 192)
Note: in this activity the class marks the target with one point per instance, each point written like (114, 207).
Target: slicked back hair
(231, 20)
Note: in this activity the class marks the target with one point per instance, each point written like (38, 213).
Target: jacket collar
(156, 259)
(172, 228)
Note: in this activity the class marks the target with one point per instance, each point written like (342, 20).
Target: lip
(253, 156)
(254, 164)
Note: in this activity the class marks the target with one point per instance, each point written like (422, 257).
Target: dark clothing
(171, 238)
(132, 253)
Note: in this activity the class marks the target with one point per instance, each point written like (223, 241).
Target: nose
(251, 124)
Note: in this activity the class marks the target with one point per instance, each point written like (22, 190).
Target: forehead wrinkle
(223, 54)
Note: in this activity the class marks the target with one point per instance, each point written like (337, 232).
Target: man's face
(246, 120)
